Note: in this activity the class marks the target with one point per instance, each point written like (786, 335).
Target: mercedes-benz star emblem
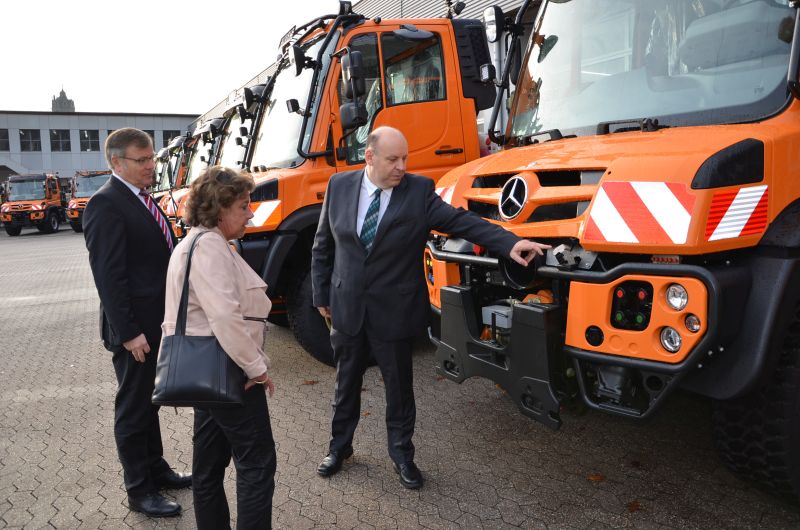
(513, 197)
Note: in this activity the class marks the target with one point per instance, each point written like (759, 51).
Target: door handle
(453, 151)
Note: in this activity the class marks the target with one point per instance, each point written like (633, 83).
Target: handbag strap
(183, 307)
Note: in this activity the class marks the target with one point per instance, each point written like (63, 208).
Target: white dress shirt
(133, 189)
(366, 196)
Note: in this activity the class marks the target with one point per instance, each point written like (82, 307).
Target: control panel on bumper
(622, 338)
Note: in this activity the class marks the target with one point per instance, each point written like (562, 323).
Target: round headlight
(677, 297)
(671, 339)
(692, 323)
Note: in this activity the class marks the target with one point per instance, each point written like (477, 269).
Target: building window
(169, 135)
(152, 134)
(111, 131)
(90, 140)
(59, 140)
(30, 140)
(4, 144)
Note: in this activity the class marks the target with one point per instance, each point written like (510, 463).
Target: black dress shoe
(174, 481)
(410, 477)
(332, 463)
(154, 505)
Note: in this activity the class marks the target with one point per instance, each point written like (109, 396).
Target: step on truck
(655, 146)
(82, 187)
(34, 200)
(340, 76)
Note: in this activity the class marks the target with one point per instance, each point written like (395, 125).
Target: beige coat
(223, 289)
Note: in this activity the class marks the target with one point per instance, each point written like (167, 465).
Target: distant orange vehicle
(656, 146)
(34, 200)
(83, 186)
(338, 78)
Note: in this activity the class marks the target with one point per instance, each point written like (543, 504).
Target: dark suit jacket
(129, 257)
(388, 283)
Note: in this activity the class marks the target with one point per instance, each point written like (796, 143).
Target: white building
(65, 142)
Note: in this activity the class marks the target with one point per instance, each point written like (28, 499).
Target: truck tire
(13, 230)
(78, 227)
(50, 224)
(306, 323)
(758, 436)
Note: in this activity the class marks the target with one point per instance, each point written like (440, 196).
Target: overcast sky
(148, 56)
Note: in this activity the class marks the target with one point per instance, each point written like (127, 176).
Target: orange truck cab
(34, 200)
(656, 146)
(339, 77)
(82, 187)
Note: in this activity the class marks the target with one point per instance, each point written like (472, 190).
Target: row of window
(31, 139)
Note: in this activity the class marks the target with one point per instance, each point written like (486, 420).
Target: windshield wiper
(643, 124)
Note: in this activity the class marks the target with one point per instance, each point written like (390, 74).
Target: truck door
(410, 86)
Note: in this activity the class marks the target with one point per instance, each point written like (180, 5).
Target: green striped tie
(370, 227)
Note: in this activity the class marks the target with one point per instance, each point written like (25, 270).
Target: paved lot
(486, 466)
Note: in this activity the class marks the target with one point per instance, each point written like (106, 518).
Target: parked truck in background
(34, 200)
(655, 145)
(420, 76)
(82, 187)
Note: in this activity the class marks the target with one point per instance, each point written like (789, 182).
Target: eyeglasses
(141, 161)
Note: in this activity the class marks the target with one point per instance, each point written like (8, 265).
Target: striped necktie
(370, 227)
(162, 223)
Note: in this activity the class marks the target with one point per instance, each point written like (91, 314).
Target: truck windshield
(276, 140)
(684, 62)
(86, 186)
(231, 154)
(26, 190)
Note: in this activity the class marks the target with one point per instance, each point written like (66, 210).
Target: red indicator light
(620, 293)
(642, 294)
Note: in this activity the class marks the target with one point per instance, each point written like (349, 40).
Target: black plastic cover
(740, 163)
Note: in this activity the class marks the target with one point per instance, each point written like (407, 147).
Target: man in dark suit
(129, 244)
(367, 277)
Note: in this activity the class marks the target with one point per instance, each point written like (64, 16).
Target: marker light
(677, 297)
(671, 339)
(692, 323)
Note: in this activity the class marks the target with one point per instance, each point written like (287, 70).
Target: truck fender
(747, 361)
(285, 240)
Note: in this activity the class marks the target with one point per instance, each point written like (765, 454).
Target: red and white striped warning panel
(262, 212)
(735, 213)
(446, 193)
(640, 212)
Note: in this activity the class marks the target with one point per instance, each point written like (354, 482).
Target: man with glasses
(130, 242)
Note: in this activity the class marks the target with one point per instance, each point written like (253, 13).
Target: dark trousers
(246, 434)
(394, 360)
(136, 427)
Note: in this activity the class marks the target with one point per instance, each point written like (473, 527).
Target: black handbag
(194, 371)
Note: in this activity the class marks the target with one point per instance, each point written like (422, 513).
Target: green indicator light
(639, 318)
(619, 316)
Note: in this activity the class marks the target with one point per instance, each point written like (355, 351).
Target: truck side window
(356, 142)
(414, 70)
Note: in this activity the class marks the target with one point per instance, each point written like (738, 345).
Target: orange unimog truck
(170, 170)
(82, 187)
(34, 200)
(421, 76)
(656, 146)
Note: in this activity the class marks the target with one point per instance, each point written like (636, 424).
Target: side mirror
(238, 140)
(242, 112)
(353, 75)
(488, 73)
(243, 131)
(353, 115)
(298, 58)
(494, 19)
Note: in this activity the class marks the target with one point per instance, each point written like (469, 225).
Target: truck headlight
(677, 297)
(670, 339)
